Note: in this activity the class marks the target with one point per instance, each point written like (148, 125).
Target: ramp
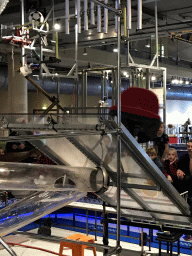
(146, 194)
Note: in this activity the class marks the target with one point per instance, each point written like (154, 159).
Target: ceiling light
(57, 26)
(85, 52)
(153, 78)
(115, 50)
(147, 45)
(187, 82)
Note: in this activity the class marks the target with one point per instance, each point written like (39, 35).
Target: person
(170, 170)
(153, 155)
(161, 142)
(184, 172)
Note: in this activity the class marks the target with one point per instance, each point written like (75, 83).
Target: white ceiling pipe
(79, 16)
(67, 17)
(129, 14)
(139, 19)
(92, 13)
(98, 18)
(85, 16)
(106, 18)
(116, 7)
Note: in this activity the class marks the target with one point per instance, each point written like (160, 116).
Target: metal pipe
(79, 15)
(139, 19)
(164, 95)
(85, 16)
(84, 90)
(106, 18)
(92, 13)
(58, 94)
(76, 70)
(129, 14)
(119, 129)
(11, 252)
(98, 18)
(116, 7)
(67, 17)
(156, 34)
(22, 30)
(125, 22)
(116, 11)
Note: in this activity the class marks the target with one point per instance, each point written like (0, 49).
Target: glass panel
(34, 207)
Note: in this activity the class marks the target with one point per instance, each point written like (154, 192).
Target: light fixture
(44, 107)
(57, 26)
(187, 81)
(115, 50)
(153, 78)
(85, 52)
(147, 45)
(180, 81)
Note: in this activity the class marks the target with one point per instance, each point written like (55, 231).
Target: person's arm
(165, 152)
(181, 166)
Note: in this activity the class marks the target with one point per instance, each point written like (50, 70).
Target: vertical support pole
(106, 18)
(116, 7)
(84, 90)
(119, 128)
(76, 68)
(22, 23)
(58, 94)
(56, 45)
(79, 15)
(98, 18)
(113, 88)
(164, 95)
(105, 229)
(129, 14)
(102, 86)
(87, 223)
(139, 19)
(92, 13)
(95, 225)
(147, 79)
(85, 16)
(156, 34)
(67, 17)
(125, 22)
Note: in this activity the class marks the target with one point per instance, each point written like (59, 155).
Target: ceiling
(174, 24)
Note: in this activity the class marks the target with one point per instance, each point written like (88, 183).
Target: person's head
(189, 147)
(161, 129)
(151, 152)
(172, 154)
(1, 151)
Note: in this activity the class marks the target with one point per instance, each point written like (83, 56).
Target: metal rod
(139, 19)
(106, 18)
(117, 12)
(56, 45)
(40, 89)
(156, 34)
(11, 252)
(85, 16)
(58, 94)
(22, 30)
(116, 7)
(92, 13)
(79, 15)
(98, 18)
(129, 14)
(76, 70)
(67, 17)
(119, 129)
(125, 22)
(164, 95)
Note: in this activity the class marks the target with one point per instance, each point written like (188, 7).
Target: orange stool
(77, 249)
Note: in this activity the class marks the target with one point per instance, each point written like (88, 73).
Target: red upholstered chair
(139, 113)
